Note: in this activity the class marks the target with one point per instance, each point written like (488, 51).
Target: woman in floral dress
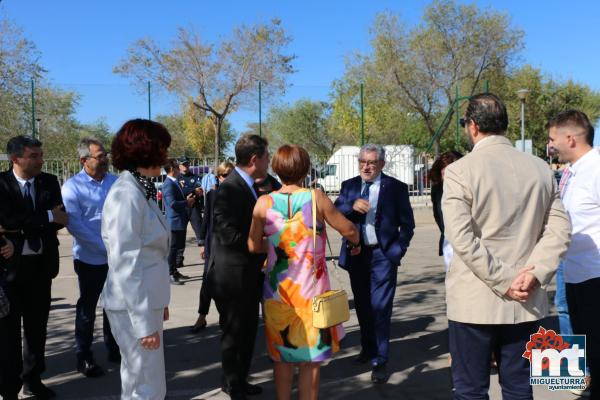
(295, 272)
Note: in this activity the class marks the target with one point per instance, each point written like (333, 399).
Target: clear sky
(82, 40)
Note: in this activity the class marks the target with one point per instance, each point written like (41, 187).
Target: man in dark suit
(235, 275)
(176, 206)
(31, 204)
(379, 206)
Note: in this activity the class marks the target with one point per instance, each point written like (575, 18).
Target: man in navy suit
(176, 205)
(379, 206)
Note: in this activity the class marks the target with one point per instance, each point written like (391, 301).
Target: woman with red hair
(136, 235)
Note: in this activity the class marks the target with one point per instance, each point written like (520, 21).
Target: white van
(343, 165)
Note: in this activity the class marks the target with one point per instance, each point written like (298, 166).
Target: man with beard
(31, 204)
(508, 228)
(84, 196)
(235, 274)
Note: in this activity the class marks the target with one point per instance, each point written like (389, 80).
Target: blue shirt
(83, 198)
(248, 179)
(208, 182)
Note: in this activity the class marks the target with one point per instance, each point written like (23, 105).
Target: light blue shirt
(208, 182)
(369, 234)
(248, 179)
(83, 198)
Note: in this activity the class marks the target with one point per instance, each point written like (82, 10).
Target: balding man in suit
(506, 223)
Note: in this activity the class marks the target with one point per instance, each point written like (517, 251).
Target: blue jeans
(560, 301)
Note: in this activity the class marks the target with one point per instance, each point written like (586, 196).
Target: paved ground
(419, 354)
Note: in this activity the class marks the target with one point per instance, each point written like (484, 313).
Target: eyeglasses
(463, 121)
(100, 157)
(370, 163)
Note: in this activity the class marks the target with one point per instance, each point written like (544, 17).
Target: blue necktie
(365, 196)
(32, 239)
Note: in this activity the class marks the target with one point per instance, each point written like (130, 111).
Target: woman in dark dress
(436, 176)
(223, 170)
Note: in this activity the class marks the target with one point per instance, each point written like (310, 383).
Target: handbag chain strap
(314, 224)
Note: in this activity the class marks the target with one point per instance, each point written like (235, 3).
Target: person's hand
(361, 206)
(7, 250)
(190, 200)
(355, 251)
(199, 191)
(166, 314)
(202, 253)
(523, 285)
(59, 216)
(151, 342)
(528, 280)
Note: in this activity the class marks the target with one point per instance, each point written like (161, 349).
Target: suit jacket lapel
(242, 182)
(37, 183)
(382, 188)
(15, 188)
(153, 207)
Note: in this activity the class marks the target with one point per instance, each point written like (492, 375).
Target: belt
(371, 246)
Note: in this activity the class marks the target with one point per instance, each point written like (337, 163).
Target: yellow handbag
(330, 308)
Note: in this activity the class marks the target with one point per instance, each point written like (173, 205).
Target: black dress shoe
(379, 374)
(175, 280)
(89, 368)
(39, 390)
(180, 275)
(362, 358)
(249, 389)
(198, 328)
(252, 390)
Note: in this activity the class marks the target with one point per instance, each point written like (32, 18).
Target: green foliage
(219, 78)
(304, 123)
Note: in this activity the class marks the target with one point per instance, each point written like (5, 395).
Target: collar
(88, 178)
(21, 180)
(590, 156)
(247, 178)
(172, 178)
(376, 180)
(481, 141)
(492, 140)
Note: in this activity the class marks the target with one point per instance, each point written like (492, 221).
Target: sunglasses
(224, 175)
(463, 121)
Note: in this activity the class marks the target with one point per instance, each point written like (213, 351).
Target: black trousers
(29, 296)
(91, 281)
(175, 258)
(204, 300)
(195, 218)
(582, 299)
(237, 296)
(471, 347)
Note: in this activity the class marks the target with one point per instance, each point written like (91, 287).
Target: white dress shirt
(26, 250)
(581, 199)
(370, 236)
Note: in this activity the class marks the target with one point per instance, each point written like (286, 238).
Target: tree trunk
(218, 123)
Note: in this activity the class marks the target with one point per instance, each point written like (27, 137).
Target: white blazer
(137, 239)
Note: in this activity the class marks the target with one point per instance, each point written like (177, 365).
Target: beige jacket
(501, 212)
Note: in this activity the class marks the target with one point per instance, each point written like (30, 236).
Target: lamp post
(523, 93)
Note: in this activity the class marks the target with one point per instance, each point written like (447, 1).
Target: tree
(218, 79)
(454, 46)
(19, 63)
(304, 123)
